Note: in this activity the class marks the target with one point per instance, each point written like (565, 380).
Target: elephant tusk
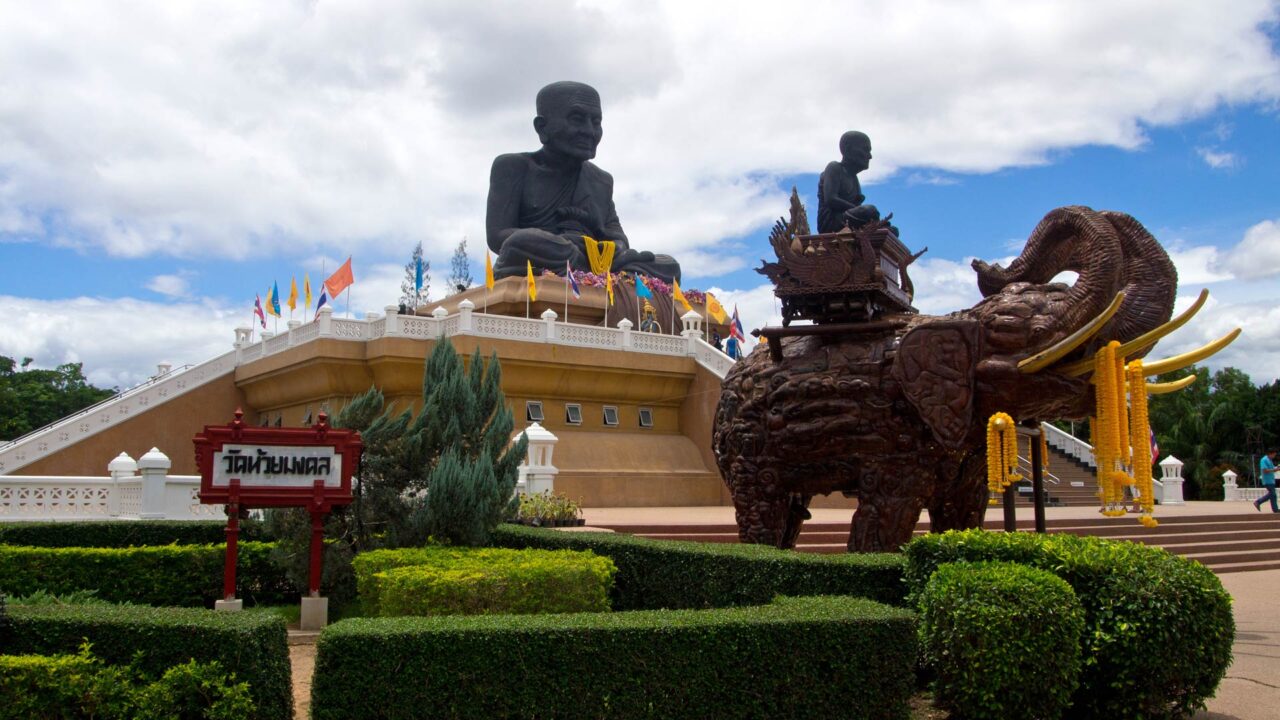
(1059, 350)
(1175, 386)
(1177, 362)
(1142, 342)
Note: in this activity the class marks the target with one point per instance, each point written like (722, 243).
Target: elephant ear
(935, 367)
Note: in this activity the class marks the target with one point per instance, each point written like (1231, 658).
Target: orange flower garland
(1002, 454)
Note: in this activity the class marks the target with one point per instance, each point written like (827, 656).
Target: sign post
(249, 467)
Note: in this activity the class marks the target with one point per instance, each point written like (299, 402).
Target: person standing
(1267, 468)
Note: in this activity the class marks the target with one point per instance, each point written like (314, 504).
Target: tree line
(31, 398)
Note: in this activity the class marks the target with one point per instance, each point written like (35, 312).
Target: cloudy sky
(161, 163)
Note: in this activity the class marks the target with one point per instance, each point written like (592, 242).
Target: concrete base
(228, 605)
(315, 613)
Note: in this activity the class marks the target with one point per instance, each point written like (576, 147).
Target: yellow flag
(608, 284)
(679, 296)
(488, 271)
(293, 293)
(533, 289)
(715, 309)
(306, 288)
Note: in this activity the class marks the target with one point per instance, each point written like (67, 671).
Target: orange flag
(340, 279)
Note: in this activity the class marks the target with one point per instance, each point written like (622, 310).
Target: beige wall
(169, 427)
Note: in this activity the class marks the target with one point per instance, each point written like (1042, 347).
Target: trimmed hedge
(253, 644)
(1158, 628)
(455, 580)
(169, 575)
(123, 533)
(655, 574)
(1004, 640)
(75, 686)
(815, 657)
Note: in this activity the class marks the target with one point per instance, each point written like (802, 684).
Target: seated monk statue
(840, 198)
(542, 203)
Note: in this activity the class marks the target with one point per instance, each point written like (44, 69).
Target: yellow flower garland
(1002, 454)
(599, 254)
(1140, 440)
(1107, 431)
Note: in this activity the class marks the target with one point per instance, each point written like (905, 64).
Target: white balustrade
(1069, 444)
(120, 495)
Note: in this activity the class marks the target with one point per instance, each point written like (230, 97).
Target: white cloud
(171, 285)
(1257, 255)
(229, 129)
(1218, 160)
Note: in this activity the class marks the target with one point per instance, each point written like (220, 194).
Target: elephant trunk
(1150, 281)
(1069, 238)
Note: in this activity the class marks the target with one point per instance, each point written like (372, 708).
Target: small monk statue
(542, 203)
(840, 198)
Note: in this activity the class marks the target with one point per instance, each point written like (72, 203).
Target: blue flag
(323, 299)
(275, 299)
(417, 282)
(642, 290)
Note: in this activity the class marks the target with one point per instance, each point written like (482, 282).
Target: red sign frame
(318, 498)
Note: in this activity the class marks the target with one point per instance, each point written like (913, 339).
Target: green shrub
(182, 575)
(154, 640)
(446, 580)
(74, 686)
(1003, 639)
(1158, 628)
(655, 574)
(123, 533)
(815, 657)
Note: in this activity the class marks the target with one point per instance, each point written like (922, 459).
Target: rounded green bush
(1158, 627)
(1004, 640)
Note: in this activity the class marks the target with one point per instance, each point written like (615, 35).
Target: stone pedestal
(1230, 489)
(1171, 467)
(228, 605)
(315, 613)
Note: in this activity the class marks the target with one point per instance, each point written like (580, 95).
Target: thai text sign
(277, 465)
(249, 466)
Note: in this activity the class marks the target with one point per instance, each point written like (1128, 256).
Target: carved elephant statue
(897, 416)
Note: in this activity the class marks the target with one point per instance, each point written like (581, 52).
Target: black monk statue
(542, 203)
(840, 198)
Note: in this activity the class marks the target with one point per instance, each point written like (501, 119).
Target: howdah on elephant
(896, 414)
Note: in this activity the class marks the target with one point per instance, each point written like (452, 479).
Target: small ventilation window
(610, 415)
(573, 414)
(646, 418)
(533, 411)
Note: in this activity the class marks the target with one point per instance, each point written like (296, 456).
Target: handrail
(105, 401)
(1069, 444)
(1047, 476)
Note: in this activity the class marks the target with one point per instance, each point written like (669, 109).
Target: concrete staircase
(1225, 543)
(1077, 482)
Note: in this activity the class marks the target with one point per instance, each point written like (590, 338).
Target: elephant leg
(762, 510)
(797, 513)
(888, 509)
(960, 502)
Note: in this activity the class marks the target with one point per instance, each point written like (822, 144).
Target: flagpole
(566, 291)
(348, 301)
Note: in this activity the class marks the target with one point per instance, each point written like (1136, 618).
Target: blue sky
(159, 169)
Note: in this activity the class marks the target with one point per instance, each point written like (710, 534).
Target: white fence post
(153, 466)
(393, 319)
(242, 341)
(538, 472)
(324, 318)
(439, 314)
(122, 467)
(692, 331)
(625, 326)
(549, 318)
(464, 315)
(1230, 490)
(292, 325)
(1172, 480)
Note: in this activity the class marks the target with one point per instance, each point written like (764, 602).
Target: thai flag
(257, 310)
(573, 282)
(1155, 447)
(735, 327)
